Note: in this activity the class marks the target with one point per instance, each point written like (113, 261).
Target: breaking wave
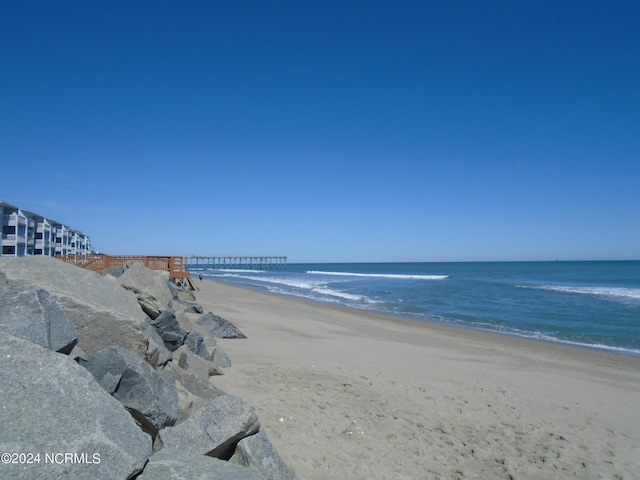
(302, 288)
(618, 292)
(380, 275)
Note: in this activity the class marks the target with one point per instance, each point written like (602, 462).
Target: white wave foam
(289, 282)
(380, 275)
(238, 270)
(534, 335)
(619, 292)
(347, 296)
(325, 296)
(598, 346)
(317, 287)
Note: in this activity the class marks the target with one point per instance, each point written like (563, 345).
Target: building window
(9, 250)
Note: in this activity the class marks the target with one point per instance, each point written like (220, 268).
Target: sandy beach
(349, 394)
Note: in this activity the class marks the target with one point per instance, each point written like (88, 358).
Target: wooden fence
(99, 263)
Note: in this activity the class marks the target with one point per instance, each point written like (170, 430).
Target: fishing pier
(195, 262)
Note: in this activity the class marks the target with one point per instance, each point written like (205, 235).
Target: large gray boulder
(169, 329)
(157, 353)
(176, 464)
(189, 361)
(51, 405)
(220, 358)
(184, 299)
(193, 390)
(257, 453)
(36, 316)
(195, 343)
(102, 312)
(150, 287)
(218, 327)
(114, 272)
(187, 307)
(214, 429)
(151, 399)
(193, 383)
(182, 290)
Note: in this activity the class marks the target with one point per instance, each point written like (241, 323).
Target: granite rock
(114, 272)
(157, 353)
(102, 312)
(218, 327)
(49, 404)
(257, 453)
(169, 329)
(189, 361)
(220, 358)
(36, 316)
(151, 399)
(214, 429)
(193, 390)
(176, 464)
(195, 343)
(188, 307)
(150, 287)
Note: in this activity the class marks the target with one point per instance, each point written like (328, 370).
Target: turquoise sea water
(592, 304)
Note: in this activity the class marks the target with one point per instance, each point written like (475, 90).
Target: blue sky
(327, 130)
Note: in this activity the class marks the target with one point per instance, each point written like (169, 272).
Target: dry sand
(348, 394)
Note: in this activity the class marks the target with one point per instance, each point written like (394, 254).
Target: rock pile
(108, 377)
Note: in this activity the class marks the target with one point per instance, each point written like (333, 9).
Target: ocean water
(588, 304)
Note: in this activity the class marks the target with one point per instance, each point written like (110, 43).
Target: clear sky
(327, 130)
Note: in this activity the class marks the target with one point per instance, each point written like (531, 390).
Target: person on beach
(200, 277)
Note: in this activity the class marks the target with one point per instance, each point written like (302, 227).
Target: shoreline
(571, 350)
(432, 321)
(349, 393)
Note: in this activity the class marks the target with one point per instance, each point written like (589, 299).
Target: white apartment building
(27, 233)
